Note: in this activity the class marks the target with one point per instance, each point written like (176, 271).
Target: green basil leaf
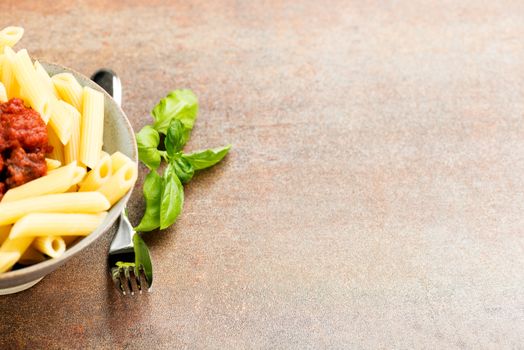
(152, 193)
(147, 141)
(178, 104)
(148, 137)
(206, 158)
(142, 258)
(184, 170)
(150, 157)
(175, 137)
(172, 198)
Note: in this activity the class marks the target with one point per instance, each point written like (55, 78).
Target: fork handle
(124, 236)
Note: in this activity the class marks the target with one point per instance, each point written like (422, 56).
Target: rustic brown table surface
(374, 196)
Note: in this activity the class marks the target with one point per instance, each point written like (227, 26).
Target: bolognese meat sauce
(23, 145)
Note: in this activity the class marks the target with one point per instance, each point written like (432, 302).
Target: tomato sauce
(23, 145)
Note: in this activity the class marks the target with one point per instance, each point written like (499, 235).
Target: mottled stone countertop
(374, 196)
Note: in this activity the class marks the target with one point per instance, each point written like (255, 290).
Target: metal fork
(129, 274)
(128, 259)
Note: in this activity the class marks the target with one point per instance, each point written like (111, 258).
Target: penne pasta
(56, 181)
(34, 90)
(4, 232)
(73, 188)
(8, 75)
(72, 148)
(104, 154)
(7, 260)
(52, 246)
(84, 202)
(3, 93)
(15, 246)
(52, 164)
(68, 89)
(46, 79)
(62, 117)
(58, 149)
(80, 173)
(9, 36)
(92, 127)
(21, 94)
(119, 183)
(60, 224)
(98, 176)
(118, 159)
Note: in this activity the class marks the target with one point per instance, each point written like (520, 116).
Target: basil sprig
(174, 117)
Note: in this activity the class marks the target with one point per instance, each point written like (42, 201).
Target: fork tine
(123, 281)
(115, 275)
(127, 281)
(133, 282)
(144, 283)
(136, 279)
(140, 281)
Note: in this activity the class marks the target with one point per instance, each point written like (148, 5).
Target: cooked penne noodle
(16, 246)
(62, 117)
(8, 75)
(9, 36)
(72, 148)
(22, 94)
(92, 127)
(52, 246)
(58, 149)
(31, 256)
(119, 183)
(52, 164)
(78, 177)
(60, 224)
(3, 93)
(80, 174)
(46, 79)
(56, 181)
(4, 232)
(34, 89)
(98, 176)
(7, 260)
(73, 188)
(118, 160)
(84, 202)
(68, 89)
